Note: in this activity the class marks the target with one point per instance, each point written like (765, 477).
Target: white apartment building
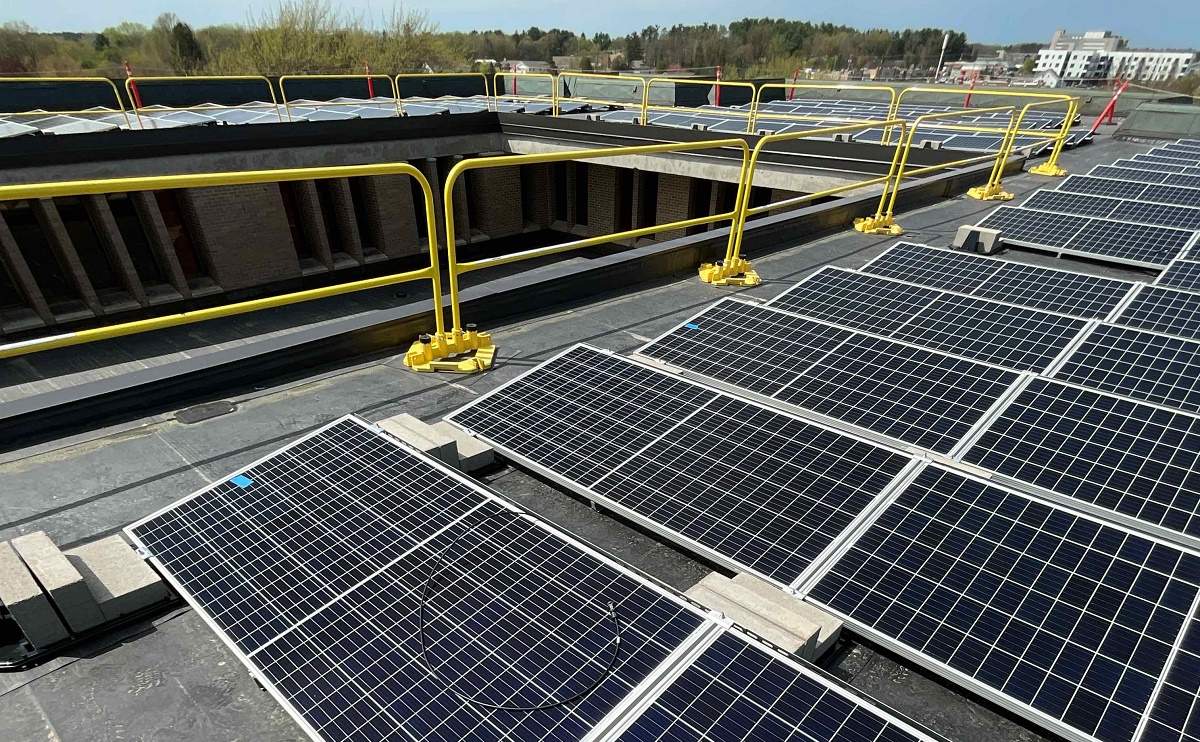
(1102, 55)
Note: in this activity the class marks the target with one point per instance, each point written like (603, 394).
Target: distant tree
(187, 56)
(602, 41)
(1027, 66)
(585, 64)
(100, 42)
(633, 47)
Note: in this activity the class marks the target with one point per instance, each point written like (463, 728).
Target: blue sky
(1170, 23)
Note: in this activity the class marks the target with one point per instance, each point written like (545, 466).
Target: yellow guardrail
(1050, 167)
(636, 84)
(427, 75)
(131, 84)
(758, 101)
(287, 105)
(431, 273)
(647, 106)
(428, 352)
(523, 81)
(91, 80)
(735, 269)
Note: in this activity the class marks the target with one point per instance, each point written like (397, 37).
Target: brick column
(347, 223)
(393, 220)
(160, 241)
(18, 269)
(114, 246)
(571, 214)
(602, 200)
(56, 232)
(674, 200)
(243, 233)
(429, 168)
(462, 225)
(496, 195)
(537, 193)
(312, 221)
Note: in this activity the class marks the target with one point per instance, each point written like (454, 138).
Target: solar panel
(1175, 716)
(1152, 165)
(855, 300)
(1101, 186)
(918, 396)
(1035, 228)
(1137, 175)
(1182, 274)
(1138, 364)
(1116, 454)
(1065, 292)
(1071, 203)
(1183, 217)
(435, 597)
(1164, 309)
(739, 691)
(1166, 156)
(1165, 194)
(752, 487)
(1062, 618)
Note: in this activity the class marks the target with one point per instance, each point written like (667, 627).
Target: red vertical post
(137, 98)
(795, 77)
(973, 79)
(370, 81)
(717, 94)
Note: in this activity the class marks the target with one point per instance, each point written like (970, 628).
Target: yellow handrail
(115, 91)
(758, 100)
(131, 82)
(456, 268)
(634, 82)
(735, 268)
(552, 90)
(287, 106)
(425, 75)
(736, 112)
(162, 182)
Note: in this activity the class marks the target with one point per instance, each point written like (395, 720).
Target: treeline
(315, 36)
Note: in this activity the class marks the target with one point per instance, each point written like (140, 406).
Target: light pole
(945, 40)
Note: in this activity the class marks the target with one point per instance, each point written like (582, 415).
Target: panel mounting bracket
(429, 352)
(738, 272)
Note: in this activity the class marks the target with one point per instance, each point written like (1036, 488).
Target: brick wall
(462, 224)
(56, 232)
(602, 200)
(496, 200)
(674, 199)
(392, 220)
(18, 271)
(113, 243)
(242, 232)
(537, 194)
(312, 221)
(344, 217)
(160, 241)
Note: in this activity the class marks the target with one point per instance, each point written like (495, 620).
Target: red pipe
(973, 79)
(795, 77)
(1113, 110)
(370, 81)
(137, 98)
(1109, 109)
(717, 95)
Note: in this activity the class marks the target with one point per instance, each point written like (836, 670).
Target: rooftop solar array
(1133, 190)
(1163, 215)
(444, 613)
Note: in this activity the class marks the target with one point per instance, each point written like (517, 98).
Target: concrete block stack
(440, 441)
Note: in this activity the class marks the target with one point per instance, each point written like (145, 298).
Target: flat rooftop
(172, 678)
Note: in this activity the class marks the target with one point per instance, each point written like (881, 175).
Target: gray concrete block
(473, 453)
(422, 437)
(60, 580)
(830, 625)
(739, 614)
(977, 239)
(26, 602)
(119, 580)
(779, 608)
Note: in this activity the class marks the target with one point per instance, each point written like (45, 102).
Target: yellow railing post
(287, 105)
(30, 80)
(462, 339)
(1050, 167)
(432, 272)
(552, 98)
(131, 81)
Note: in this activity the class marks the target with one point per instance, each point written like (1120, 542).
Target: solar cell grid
(855, 300)
(1180, 195)
(1117, 454)
(737, 691)
(1183, 217)
(1164, 309)
(1076, 294)
(1137, 243)
(929, 267)
(1053, 611)
(1071, 203)
(1034, 227)
(1138, 364)
(1189, 181)
(1091, 185)
(1175, 716)
(1167, 157)
(513, 616)
(1153, 165)
(1183, 274)
(1139, 175)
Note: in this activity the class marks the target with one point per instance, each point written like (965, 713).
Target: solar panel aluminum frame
(1096, 512)
(817, 417)
(958, 677)
(486, 495)
(635, 517)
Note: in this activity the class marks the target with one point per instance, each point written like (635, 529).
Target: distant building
(525, 65)
(1096, 56)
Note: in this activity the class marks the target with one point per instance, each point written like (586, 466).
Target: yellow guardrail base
(1047, 168)
(878, 225)
(427, 353)
(737, 273)
(991, 192)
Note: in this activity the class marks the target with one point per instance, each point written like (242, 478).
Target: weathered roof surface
(1169, 121)
(173, 678)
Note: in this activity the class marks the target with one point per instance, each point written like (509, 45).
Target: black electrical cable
(437, 563)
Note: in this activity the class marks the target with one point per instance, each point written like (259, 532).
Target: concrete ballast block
(119, 580)
(473, 453)
(777, 608)
(26, 602)
(422, 437)
(830, 625)
(977, 239)
(61, 581)
(772, 632)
